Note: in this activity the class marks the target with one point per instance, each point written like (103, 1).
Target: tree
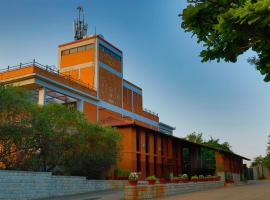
(257, 161)
(215, 143)
(195, 137)
(54, 138)
(15, 117)
(228, 28)
(94, 151)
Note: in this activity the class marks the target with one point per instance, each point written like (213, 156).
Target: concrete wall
(236, 177)
(260, 171)
(21, 185)
(163, 190)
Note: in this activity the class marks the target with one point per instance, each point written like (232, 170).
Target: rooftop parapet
(51, 69)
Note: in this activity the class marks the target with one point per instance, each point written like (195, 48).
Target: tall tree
(212, 142)
(53, 138)
(195, 137)
(228, 28)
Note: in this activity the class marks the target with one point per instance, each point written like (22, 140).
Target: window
(146, 143)
(147, 165)
(73, 50)
(89, 46)
(81, 48)
(162, 146)
(155, 144)
(138, 141)
(155, 165)
(110, 53)
(77, 49)
(138, 163)
(65, 52)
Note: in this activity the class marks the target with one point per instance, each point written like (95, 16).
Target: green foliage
(121, 173)
(257, 161)
(53, 138)
(94, 151)
(228, 28)
(195, 137)
(215, 143)
(151, 178)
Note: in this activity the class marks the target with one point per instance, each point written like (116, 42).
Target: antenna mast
(79, 26)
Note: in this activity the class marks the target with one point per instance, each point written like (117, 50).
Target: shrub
(151, 178)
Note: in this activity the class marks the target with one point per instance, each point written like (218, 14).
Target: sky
(229, 101)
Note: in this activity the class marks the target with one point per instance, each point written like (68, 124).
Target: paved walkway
(115, 194)
(254, 191)
(259, 190)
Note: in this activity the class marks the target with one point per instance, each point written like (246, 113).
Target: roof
(189, 142)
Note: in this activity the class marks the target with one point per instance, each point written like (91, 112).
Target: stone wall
(163, 190)
(22, 185)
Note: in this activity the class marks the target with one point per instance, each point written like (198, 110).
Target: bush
(151, 178)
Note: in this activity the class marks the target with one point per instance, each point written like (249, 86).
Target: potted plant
(168, 178)
(208, 178)
(184, 178)
(176, 179)
(201, 178)
(162, 181)
(133, 178)
(151, 180)
(194, 179)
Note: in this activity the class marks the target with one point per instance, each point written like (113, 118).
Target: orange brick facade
(90, 75)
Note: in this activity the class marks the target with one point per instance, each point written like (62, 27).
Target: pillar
(42, 96)
(79, 104)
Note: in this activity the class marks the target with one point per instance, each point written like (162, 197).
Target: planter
(229, 181)
(176, 180)
(194, 180)
(184, 180)
(201, 180)
(162, 181)
(133, 182)
(151, 182)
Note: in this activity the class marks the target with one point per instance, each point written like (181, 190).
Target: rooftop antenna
(79, 26)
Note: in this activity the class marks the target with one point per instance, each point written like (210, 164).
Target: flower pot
(175, 180)
(184, 180)
(194, 180)
(162, 181)
(151, 182)
(133, 182)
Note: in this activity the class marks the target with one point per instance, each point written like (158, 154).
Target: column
(79, 104)
(42, 96)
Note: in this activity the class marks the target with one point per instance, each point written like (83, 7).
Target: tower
(79, 26)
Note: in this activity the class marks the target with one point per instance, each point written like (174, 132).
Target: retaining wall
(163, 190)
(22, 185)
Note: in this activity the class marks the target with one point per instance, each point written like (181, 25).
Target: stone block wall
(163, 190)
(22, 185)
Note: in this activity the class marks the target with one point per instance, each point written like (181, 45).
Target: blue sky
(223, 100)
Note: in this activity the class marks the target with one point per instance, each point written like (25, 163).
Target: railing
(150, 112)
(47, 68)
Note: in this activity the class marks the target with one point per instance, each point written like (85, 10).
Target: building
(89, 77)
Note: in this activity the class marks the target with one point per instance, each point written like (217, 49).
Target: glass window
(65, 52)
(81, 48)
(89, 46)
(73, 50)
